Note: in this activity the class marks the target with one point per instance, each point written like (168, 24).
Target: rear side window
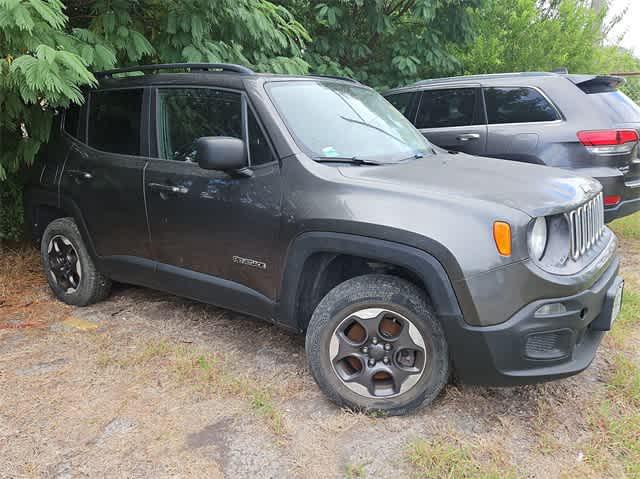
(402, 102)
(72, 120)
(517, 105)
(114, 121)
(446, 108)
(186, 114)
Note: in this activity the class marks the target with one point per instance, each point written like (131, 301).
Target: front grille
(587, 226)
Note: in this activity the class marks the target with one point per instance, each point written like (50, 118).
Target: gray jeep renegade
(313, 203)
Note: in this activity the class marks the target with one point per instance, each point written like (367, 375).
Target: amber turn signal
(502, 237)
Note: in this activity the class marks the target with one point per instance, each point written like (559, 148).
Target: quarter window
(447, 108)
(186, 114)
(259, 149)
(517, 105)
(114, 121)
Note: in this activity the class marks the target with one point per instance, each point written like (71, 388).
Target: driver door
(207, 225)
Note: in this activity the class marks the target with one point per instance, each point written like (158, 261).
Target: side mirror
(222, 153)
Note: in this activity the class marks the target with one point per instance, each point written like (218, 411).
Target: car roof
(491, 79)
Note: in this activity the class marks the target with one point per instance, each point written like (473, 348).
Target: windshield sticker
(329, 151)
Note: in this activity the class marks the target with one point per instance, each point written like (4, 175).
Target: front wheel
(374, 344)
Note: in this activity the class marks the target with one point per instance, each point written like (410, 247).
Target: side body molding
(422, 264)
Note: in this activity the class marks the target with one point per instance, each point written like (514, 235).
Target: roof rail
(335, 77)
(201, 67)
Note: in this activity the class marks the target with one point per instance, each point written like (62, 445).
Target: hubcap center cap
(376, 351)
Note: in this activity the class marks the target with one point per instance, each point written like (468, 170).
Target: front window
(335, 120)
(447, 108)
(186, 114)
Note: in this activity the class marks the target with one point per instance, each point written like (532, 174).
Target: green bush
(11, 208)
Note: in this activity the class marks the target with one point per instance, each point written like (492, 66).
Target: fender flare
(423, 264)
(34, 197)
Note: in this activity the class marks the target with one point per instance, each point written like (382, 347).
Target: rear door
(519, 119)
(453, 119)
(102, 176)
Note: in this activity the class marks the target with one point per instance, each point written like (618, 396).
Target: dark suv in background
(580, 122)
(313, 203)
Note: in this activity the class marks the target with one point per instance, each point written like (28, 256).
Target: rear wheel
(70, 271)
(373, 343)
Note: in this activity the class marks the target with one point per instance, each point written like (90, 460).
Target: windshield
(335, 120)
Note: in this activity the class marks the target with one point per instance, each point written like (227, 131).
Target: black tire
(386, 292)
(92, 286)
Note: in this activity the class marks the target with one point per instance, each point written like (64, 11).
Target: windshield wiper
(345, 159)
(364, 123)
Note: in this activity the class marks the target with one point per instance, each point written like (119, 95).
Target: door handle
(468, 136)
(79, 174)
(181, 190)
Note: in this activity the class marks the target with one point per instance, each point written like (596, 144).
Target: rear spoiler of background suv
(596, 83)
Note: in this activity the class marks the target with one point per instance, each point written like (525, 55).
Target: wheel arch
(318, 261)
(42, 206)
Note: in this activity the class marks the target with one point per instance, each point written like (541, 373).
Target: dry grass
(25, 300)
(209, 374)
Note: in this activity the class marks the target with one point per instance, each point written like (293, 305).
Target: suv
(579, 122)
(313, 203)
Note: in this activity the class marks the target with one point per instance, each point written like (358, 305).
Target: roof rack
(199, 67)
(335, 77)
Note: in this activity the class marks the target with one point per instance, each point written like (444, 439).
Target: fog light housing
(551, 309)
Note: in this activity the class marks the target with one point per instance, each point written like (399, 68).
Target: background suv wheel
(373, 343)
(70, 270)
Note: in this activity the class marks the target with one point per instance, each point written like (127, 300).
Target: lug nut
(372, 362)
(387, 347)
(365, 350)
(385, 360)
(374, 340)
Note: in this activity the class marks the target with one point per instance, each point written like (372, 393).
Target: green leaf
(109, 22)
(54, 18)
(22, 18)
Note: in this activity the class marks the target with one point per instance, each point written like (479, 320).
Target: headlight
(538, 238)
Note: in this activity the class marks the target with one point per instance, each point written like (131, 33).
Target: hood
(533, 189)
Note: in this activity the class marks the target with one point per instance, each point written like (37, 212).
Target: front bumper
(527, 349)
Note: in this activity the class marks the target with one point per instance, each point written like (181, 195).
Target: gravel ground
(146, 384)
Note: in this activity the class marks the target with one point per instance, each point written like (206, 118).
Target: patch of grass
(616, 435)
(628, 227)
(354, 471)
(629, 317)
(213, 373)
(615, 424)
(624, 385)
(208, 372)
(262, 403)
(439, 458)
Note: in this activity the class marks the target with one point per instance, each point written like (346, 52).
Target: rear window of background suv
(625, 110)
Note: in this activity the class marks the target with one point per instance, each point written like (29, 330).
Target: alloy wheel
(378, 353)
(64, 263)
